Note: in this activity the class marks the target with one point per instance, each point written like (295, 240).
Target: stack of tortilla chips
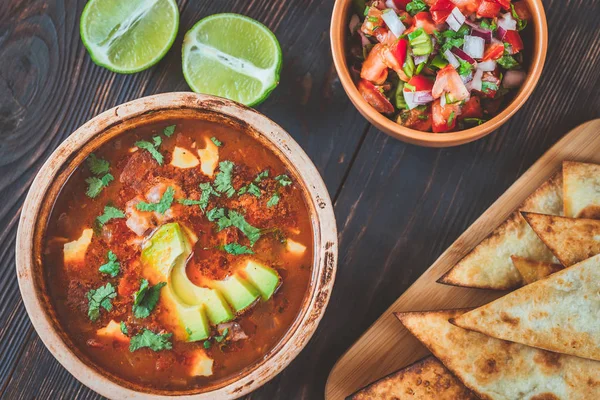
(541, 341)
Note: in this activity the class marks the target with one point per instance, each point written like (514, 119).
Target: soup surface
(178, 254)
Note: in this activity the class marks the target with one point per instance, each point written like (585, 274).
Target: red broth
(137, 173)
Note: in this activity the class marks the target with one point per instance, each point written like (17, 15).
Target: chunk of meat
(234, 331)
(138, 221)
(138, 170)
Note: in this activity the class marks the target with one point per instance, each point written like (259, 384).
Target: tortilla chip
(581, 190)
(532, 271)
(497, 369)
(425, 379)
(488, 265)
(570, 239)
(560, 313)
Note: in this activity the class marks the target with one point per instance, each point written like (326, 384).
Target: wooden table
(398, 206)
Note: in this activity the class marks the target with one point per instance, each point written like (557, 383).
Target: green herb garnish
(216, 141)
(222, 337)
(163, 204)
(236, 219)
(112, 266)
(110, 212)
(274, 200)
(169, 130)
(237, 249)
(95, 184)
(124, 329)
(521, 23)
(465, 67)
(97, 165)
(100, 298)
(416, 6)
(223, 178)
(152, 148)
(486, 87)
(283, 180)
(487, 24)
(154, 341)
(451, 118)
(145, 299)
(215, 214)
(206, 344)
(508, 62)
(477, 121)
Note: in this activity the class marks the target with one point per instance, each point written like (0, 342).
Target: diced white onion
(507, 22)
(409, 98)
(455, 19)
(451, 59)
(474, 46)
(391, 4)
(487, 66)
(420, 59)
(443, 100)
(475, 84)
(354, 22)
(414, 99)
(393, 22)
(513, 79)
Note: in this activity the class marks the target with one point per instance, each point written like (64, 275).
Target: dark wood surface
(398, 206)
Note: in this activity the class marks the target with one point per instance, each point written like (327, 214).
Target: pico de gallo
(438, 65)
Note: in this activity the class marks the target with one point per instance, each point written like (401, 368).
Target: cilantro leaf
(207, 191)
(486, 87)
(274, 200)
(223, 178)
(451, 118)
(112, 267)
(124, 329)
(237, 249)
(151, 148)
(145, 299)
(465, 67)
(283, 180)
(163, 204)
(216, 141)
(521, 23)
(110, 212)
(236, 219)
(222, 337)
(154, 341)
(100, 298)
(416, 6)
(250, 188)
(215, 214)
(95, 184)
(189, 202)
(97, 165)
(507, 61)
(206, 344)
(169, 130)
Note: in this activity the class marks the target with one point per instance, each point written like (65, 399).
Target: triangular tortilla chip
(581, 190)
(425, 379)
(488, 265)
(560, 313)
(532, 271)
(497, 369)
(571, 240)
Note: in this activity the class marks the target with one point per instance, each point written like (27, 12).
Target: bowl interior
(74, 151)
(342, 11)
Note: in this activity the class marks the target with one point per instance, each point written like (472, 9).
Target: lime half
(129, 36)
(232, 56)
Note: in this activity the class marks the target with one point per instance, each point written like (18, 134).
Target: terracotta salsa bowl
(535, 50)
(107, 126)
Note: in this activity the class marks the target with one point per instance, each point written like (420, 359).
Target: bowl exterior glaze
(338, 36)
(73, 151)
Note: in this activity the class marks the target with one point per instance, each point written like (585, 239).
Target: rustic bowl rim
(284, 146)
(338, 35)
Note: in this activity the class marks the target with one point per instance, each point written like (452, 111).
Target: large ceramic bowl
(114, 122)
(536, 49)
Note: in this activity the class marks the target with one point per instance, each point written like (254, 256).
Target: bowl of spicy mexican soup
(179, 244)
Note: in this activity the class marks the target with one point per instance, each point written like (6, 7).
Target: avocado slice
(163, 248)
(238, 292)
(194, 321)
(264, 278)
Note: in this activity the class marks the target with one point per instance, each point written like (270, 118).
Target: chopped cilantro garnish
(207, 191)
(449, 38)
(489, 24)
(154, 341)
(145, 299)
(521, 23)
(162, 206)
(250, 188)
(169, 130)
(216, 141)
(97, 165)
(215, 213)
(189, 202)
(416, 6)
(237, 249)
(236, 219)
(451, 118)
(112, 266)
(283, 180)
(465, 67)
(488, 86)
(124, 329)
(110, 212)
(223, 178)
(222, 337)
(95, 184)
(508, 62)
(100, 298)
(152, 148)
(206, 344)
(274, 200)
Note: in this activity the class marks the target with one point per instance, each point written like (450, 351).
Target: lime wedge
(232, 56)
(128, 36)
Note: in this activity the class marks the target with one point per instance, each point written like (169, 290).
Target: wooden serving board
(387, 346)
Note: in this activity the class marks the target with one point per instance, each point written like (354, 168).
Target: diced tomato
(440, 10)
(416, 119)
(471, 108)
(467, 7)
(488, 9)
(493, 51)
(522, 10)
(504, 4)
(423, 20)
(374, 97)
(401, 4)
(399, 50)
(374, 69)
(448, 81)
(442, 118)
(514, 40)
(421, 83)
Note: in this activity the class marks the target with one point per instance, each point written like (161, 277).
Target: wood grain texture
(398, 206)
